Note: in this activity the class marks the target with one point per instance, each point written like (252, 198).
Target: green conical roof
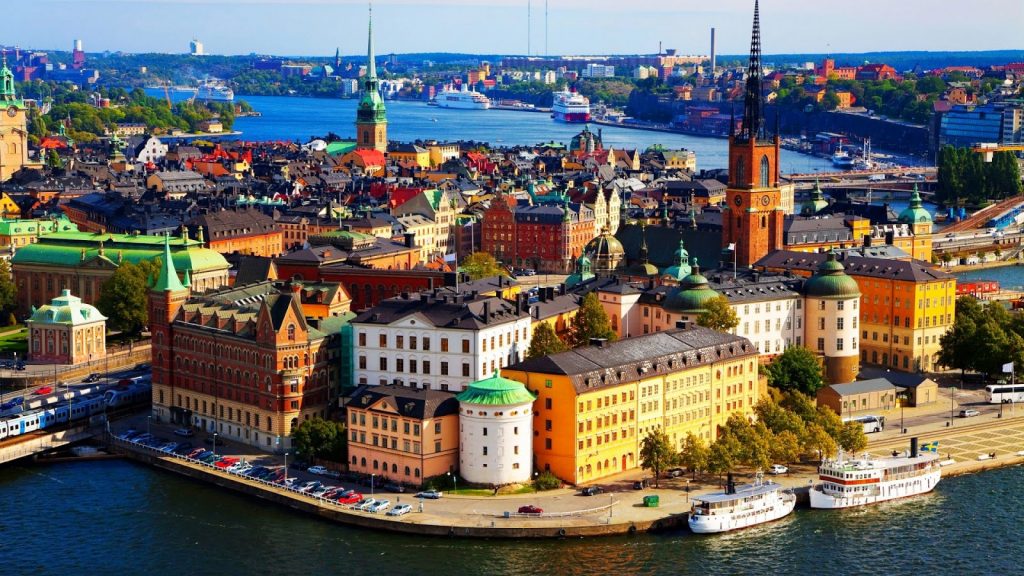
(582, 274)
(831, 281)
(496, 391)
(681, 269)
(7, 95)
(816, 203)
(693, 293)
(915, 212)
(371, 105)
(168, 279)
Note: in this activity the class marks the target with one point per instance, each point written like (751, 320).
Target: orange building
(247, 232)
(402, 434)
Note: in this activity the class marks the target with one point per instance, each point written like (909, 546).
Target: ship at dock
(851, 482)
(463, 99)
(740, 506)
(570, 106)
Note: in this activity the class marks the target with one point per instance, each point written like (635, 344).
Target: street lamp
(952, 395)
(455, 483)
(149, 423)
(286, 466)
(214, 444)
(371, 484)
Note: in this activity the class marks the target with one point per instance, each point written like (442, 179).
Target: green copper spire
(371, 105)
(187, 280)
(7, 95)
(168, 279)
(915, 212)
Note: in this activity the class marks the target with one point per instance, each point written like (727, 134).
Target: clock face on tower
(12, 111)
(765, 200)
(738, 200)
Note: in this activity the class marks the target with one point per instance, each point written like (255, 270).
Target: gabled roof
(418, 403)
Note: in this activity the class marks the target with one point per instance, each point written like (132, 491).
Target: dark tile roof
(415, 403)
(444, 310)
(632, 359)
(904, 270)
(663, 242)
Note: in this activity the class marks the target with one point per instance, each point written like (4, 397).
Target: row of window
(356, 461)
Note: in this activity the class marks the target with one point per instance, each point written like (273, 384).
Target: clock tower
(753, 219)
(371, 117)
(13, 121)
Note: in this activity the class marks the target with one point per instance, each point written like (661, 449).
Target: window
(362, 362)
(383, 363)
(821, 344)
(839, 323)
(839, 343)
(444, 344)
(764, 171)
(437, 446)
(426, 343)
(465, 369)
(437, 427)
(485, 450)
(426, 365)
(362, 338)
(547, 443)
(465, 346)
(485, 431)
(412, 342)
(547, 425)
(399, 342)
(383, 341)
(547, 403)
(840, 304)
(444, 368)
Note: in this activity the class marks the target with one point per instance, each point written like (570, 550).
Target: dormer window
(291, 331)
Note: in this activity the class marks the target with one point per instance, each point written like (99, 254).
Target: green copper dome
(831, 281)
(582, 274)
(66, 309)
(681, 269)
(693, 293)
(816, 203)
(496, 391)
(915, 212)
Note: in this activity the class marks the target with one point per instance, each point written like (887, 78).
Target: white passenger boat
(740, 506)
(846, 483)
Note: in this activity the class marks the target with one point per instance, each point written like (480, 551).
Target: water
(118, 517)
(1009, 277)
(285, 118)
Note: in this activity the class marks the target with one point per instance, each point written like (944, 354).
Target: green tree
(852, 438)
(694, 454)
(817, 440)
(718, 315)
(786, 447)
(546, 481)
(482, 265)
(722, 454)
(123, 297)
(545, 342)
(319, 438)
(657, 454)
(590, 321)
(53, 160)
(796, 369)
(8, 292)
(777, 418)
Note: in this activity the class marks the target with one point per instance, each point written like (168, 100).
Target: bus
(870, 423)
(1005, 393)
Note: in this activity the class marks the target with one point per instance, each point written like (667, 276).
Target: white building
(496, 432)
(832, 314)
(439, 340)
(195, 48)
(152, 150)
(593, 70)
(550, 77)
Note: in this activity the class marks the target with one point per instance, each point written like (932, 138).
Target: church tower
(371, 118)
(13, 121)
(753, 219)
(165, 299)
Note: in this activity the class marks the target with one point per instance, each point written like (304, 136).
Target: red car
(530, 509)
(222, 464)
(351, 498)
(44, 390)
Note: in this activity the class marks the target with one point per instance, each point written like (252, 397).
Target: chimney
(890, 237)
(682, 324)
(487, 311)
(551, 292)
(867, 240)
(730, 484)
(913, 447)
(410, 240)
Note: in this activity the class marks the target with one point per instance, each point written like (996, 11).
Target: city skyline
(316, 27)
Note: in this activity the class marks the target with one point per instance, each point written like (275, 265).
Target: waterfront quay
(993, 440)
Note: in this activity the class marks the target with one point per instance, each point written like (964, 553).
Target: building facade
(13, 126)
(66, 331)
(371, 117)
(496, 432)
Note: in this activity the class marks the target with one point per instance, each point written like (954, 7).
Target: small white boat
(740, 506)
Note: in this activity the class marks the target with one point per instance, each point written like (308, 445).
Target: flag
(930, 447)
(732, 246)
(1008, 367)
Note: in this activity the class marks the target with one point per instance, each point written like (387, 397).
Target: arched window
(739, 170)
(291, 331)
(764, 171)
(406, 470)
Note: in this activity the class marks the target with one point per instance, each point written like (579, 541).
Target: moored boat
(570, 106)
(740, 506)
(846, 483)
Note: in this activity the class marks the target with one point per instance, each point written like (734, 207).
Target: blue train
(78, 409)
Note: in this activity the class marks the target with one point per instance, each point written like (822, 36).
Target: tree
(590, 321)
(481, 265)
(817, 440)
(718, 315)
(53, 160)
(123, 297)
(8, 292)
(545, 342)
(957, 345)
(786, 447)
(852, 438)
(777, 418)
(657, 454)
(319, 438)
(722, 454)
(796, 369)
(546, 481)
(694, 454)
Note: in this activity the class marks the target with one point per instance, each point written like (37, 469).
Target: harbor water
(118, 517)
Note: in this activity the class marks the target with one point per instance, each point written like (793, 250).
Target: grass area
(524, 489)
(14, 341)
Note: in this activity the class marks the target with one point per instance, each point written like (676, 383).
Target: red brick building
(544, 237)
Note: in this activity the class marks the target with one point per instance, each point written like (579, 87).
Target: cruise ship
(214, 91)
(842, 159)
(860, 482)
(464, 99)
(570, 106)
(740, 506)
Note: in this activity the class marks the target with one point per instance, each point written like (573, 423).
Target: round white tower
(495, 432)
(831, 320)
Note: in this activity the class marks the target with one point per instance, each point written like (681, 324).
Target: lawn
(14, 341)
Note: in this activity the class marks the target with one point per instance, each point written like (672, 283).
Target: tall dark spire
(753, 119)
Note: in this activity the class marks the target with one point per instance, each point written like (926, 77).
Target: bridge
(46, 440)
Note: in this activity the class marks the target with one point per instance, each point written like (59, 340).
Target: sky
(317, 27)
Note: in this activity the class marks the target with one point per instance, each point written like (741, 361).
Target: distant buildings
(195, 48)
(1000, 123)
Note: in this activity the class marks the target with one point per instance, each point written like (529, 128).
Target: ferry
(861, 482)
(462, 99)
(842, 159)
(740, 506)
(214, 91)
(570, 106)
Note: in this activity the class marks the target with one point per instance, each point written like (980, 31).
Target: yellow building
(13, 133)
(8, 208)
(441, 152)
(906, 306)
(18, 233)
(409, 154)
(596, 404)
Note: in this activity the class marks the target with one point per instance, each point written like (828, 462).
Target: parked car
(430, 494)
(309, 486)
(393, 487)
(351, 498)
(317, 470)
(43, 391)
(400, 510)
(364, 504)
(379, 506)
(778, 469)
(196, 452)
(184, 432)
(591, 491)
(674, 472)
(94, 377)
(530, 509)
(320, 491)
(639, 484)
(969, 412)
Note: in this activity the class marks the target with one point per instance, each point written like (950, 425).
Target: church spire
(753, 120)
(371, 116)
(168, 280)
(371, 65)
(6, 82)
